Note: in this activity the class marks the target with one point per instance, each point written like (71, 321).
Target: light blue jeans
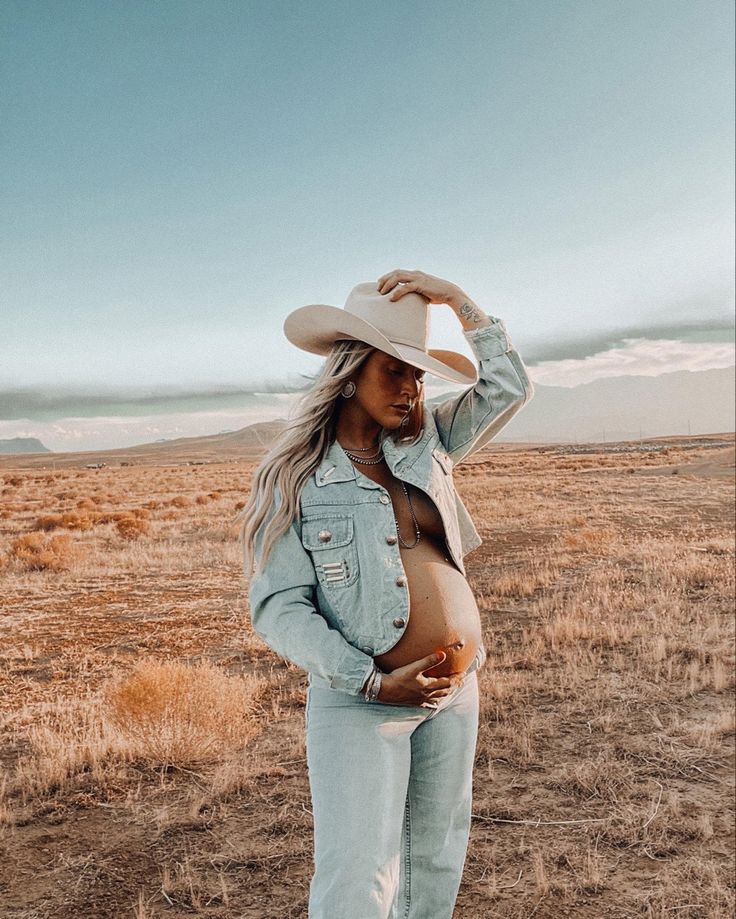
(391, 793)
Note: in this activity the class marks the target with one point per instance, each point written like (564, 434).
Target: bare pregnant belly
(443, 613)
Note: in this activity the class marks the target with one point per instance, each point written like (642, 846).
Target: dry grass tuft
(37, 553)
(163, 713)
(690, 889)
(48, 522)
(130, 526)
(72, 738)
(72, 521)
(175, 713)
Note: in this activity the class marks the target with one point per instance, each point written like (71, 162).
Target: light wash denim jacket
(333, 592)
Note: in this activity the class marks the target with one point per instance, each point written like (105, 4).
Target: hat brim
(316, 328)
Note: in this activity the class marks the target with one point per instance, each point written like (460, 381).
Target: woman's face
(388, 389)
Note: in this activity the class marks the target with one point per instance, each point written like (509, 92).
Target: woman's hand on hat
(436, 290)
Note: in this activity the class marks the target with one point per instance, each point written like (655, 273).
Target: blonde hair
(301, 446)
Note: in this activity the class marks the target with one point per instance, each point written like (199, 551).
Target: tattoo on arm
(471, 312)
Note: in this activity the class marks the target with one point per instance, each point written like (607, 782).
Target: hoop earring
(348, 389)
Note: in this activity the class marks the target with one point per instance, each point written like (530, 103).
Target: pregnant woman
(353, 540)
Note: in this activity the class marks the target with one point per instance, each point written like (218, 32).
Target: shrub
(116, 516)
(39, 553)
(72, 521)
(131, 527)
(67, 521)
(175, 713)
(48, 522)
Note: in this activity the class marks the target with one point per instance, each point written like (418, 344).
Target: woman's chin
(391, 424)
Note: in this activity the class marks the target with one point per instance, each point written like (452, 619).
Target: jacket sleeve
(468, 421)
(284, 615)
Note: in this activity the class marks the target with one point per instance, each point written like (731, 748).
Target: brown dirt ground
(98, 847)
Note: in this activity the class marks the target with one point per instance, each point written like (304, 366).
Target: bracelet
(368, 683)
(373, 685)
(368, 695)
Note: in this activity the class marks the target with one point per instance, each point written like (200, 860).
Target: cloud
(577, 347)
(47, 403)
(142, 413)
(635, 357)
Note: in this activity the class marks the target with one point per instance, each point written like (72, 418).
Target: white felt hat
(398, 327)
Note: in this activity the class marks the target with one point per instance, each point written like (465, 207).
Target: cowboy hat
(399, 328)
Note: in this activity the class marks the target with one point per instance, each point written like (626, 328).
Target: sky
(176, 177)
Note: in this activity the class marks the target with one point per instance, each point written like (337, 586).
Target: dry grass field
(152, 750)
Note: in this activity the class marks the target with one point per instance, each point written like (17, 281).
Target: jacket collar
(337, 467)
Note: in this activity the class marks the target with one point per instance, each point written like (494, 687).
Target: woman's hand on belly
(408, 685)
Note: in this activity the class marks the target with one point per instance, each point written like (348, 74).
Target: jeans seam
(407, 856)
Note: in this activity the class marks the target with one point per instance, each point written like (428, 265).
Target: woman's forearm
(471, 316)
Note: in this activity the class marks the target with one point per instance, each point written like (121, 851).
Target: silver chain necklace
(363, 460)
(413, 517)
(361, 449)
(375, 462)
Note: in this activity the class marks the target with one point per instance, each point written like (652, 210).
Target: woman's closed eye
(400, 373)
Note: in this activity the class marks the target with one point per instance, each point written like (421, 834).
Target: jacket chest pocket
(330, 540)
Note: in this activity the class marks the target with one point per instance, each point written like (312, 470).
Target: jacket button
(399, 623)
(401, 581)
(384, 499)
(324, 536)
(391, 540)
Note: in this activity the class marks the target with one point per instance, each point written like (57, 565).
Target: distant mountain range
(22, 445)
(622, 408)
(247, 443)
(612, 409)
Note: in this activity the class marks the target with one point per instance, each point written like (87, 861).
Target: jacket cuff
(352, 671)
(490, 340)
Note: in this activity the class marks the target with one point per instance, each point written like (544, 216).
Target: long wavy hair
(301, 446)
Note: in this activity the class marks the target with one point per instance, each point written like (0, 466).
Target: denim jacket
(333, 592)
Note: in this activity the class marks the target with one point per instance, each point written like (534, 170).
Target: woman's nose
(411, 387)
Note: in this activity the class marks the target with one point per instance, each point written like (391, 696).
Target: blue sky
(178, 176)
